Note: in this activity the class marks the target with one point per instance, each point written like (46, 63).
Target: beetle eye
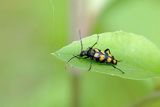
(82, 53)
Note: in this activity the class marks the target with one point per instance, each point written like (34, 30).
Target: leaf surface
(140, 58)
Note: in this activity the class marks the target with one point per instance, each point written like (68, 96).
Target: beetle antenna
(74, 56)
(80, 36)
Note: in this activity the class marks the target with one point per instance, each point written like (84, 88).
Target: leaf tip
(54, 54)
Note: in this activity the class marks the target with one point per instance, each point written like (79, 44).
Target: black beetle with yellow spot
(97, 55)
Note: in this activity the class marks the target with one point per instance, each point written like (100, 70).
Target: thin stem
(75, 89)
(76, 20)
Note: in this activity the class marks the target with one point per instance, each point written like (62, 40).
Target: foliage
(140, 57)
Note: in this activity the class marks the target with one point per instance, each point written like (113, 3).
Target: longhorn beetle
(97, 55)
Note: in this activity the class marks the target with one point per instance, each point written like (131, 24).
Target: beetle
(97, 55)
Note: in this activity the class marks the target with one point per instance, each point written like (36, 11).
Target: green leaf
(138, 16)
(140, 58)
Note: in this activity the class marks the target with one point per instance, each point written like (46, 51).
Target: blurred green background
(31, 30)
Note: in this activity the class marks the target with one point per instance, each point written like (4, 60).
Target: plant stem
(75, 89)
(76, 20)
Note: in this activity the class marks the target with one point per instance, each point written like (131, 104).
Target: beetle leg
(90, 66)
(118, 69)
